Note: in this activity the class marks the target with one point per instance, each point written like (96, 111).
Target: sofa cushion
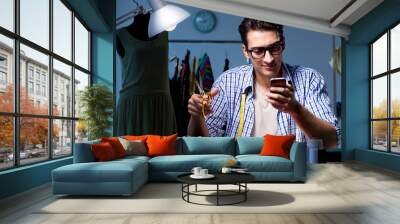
(249, 145)
(161, 145)
(206, 145)
(103, 152)
(185, 163)
(257, 163)
(116, 145)
(134, 147)
(277, 145)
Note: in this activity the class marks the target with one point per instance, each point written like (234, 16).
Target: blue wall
(303, 47)
(356, 84)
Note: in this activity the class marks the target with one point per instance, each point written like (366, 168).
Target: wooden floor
(377, 188)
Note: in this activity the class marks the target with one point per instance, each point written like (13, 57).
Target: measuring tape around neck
(241, 120)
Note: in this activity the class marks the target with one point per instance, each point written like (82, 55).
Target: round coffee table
(238, 179)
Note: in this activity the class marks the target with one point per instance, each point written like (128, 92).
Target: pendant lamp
(165, 17)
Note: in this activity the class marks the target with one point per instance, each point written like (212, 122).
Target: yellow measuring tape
(242, 105)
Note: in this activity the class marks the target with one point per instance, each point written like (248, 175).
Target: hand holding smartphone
(278, 82)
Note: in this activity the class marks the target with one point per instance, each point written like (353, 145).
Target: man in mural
(245, 102)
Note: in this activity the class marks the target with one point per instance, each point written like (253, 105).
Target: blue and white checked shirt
(309, 88)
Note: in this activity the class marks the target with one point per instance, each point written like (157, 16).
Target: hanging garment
(182, 114)
(226, 65)
(204, 73)
(145, 105)
(192, 78)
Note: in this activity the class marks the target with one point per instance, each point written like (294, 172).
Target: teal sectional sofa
(125, 176)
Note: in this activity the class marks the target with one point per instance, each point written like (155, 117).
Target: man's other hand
(200, 105)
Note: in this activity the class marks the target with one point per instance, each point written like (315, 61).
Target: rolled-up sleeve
(318, 102)
(216, 120)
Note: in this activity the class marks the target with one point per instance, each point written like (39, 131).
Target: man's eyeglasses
(273, 49)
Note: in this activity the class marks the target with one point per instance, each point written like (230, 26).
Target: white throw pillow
(135, 147)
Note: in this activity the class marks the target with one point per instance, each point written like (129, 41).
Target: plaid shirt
(309, 89)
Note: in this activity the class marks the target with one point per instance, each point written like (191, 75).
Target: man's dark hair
(248, 24)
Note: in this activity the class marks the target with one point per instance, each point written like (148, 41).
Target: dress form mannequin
(145, 104)
(138, 29)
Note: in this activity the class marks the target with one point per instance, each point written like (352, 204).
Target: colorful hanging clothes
(204, 73)
(192, 78)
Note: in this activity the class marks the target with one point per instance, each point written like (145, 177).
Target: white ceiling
(326, 16)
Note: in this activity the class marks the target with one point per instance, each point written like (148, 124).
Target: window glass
(81, 81)
(81, 131)
(62, 138)
(81, 45)
(379, 98)
(379, 135)
(62, 29)
(395, 136)
(39, 62)
(35, 21)
(7, 14)
(62, 91)
(395, 47)
(395, 95)
(379, 56)
(33, 140)
(6, 74)
(6, 142)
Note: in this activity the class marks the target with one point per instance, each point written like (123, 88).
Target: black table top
(220, 178)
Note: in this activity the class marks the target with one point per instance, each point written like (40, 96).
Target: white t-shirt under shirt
(265, 115)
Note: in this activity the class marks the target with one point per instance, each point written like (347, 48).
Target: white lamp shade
(165, 18)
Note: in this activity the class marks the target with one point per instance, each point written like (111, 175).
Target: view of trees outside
(379, 128)
(33, 137)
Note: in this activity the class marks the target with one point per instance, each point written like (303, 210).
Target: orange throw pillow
(275, 145)
(103, 152)
(136, 137)
(161, 145)
(116, 145)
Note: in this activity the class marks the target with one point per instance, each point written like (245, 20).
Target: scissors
(206, 97)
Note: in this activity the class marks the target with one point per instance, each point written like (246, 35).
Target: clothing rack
(206, 41)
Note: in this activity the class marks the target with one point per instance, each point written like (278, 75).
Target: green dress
(145, 104)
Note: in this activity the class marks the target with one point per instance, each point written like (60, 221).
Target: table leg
(245, 191)
(217, 194)
(196, 188)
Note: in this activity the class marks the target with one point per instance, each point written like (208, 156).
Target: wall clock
(205, 21)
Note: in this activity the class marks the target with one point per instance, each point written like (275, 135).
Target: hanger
(137, 11)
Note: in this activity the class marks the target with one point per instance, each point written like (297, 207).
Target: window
(385, 96)
(30, 72)
(43, 90)
(81, 45)
(54, 126)
(30, 87)
(7, 72)
(3, 78)
(7, 14)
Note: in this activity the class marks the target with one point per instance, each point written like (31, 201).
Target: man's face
(268, 65)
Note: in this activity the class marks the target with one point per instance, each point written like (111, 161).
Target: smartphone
(278, 82)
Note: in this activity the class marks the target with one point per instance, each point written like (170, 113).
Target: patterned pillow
(134, 147)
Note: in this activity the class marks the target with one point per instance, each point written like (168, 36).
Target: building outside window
(59, 125)
(385, 95)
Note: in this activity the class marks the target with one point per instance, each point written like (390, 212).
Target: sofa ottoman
(100, 178)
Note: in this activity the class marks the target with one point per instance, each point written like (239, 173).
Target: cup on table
(203, 172)
(196, 170)
(226, 170)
